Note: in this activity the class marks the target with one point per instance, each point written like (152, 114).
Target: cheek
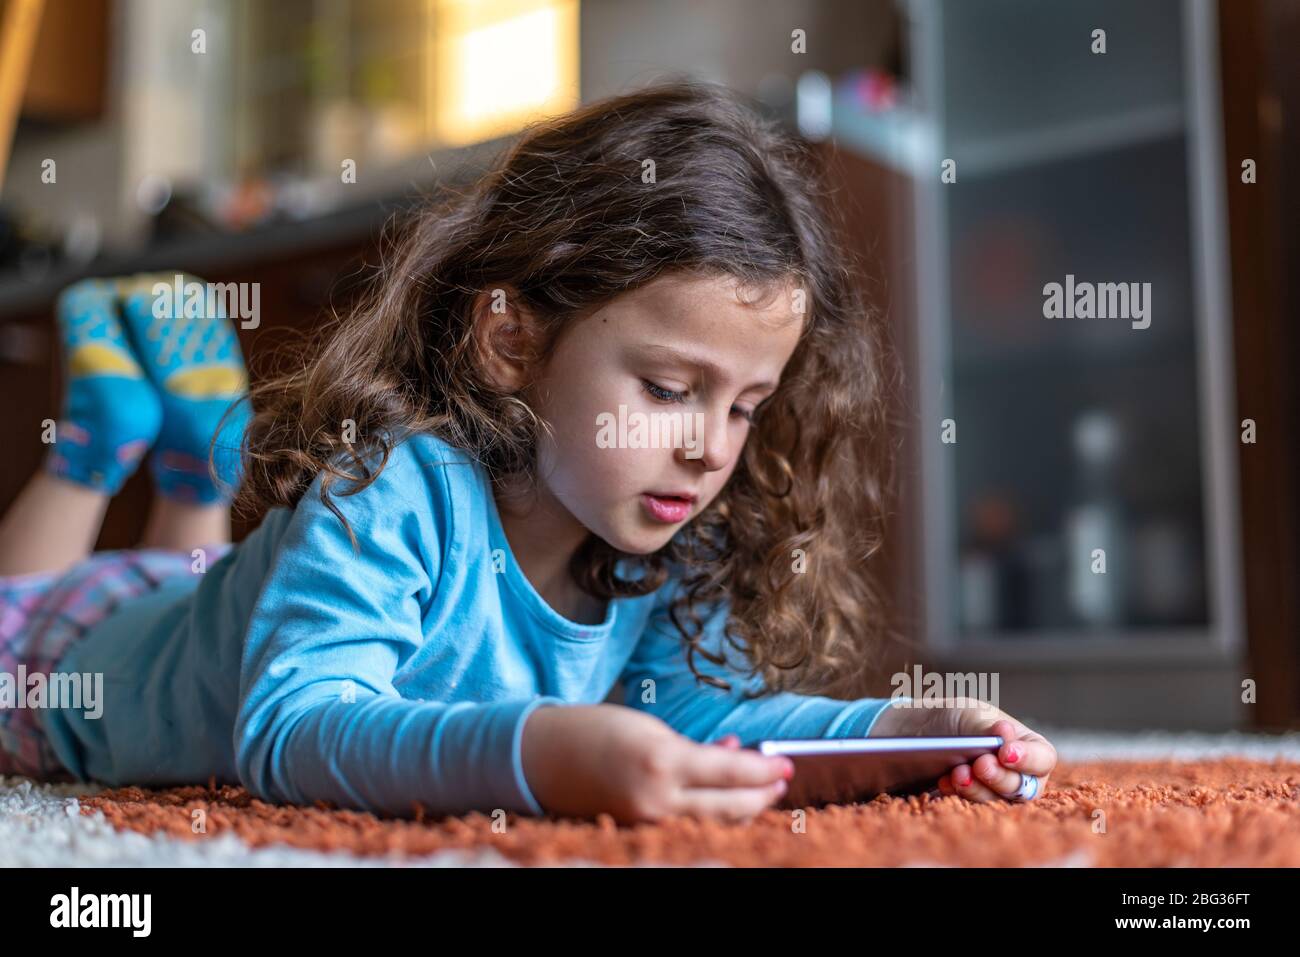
(578, 469)
(575, 413)
(582, 471)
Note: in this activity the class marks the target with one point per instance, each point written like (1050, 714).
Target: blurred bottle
(1096, 522)
(991, 579)
(1165, 571)
(1044, 562)
(980, 610)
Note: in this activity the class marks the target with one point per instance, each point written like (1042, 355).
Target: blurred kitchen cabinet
(68, 71)
(1082, 505)
(1079, 484)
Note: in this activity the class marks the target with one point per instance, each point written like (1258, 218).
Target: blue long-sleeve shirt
(403, 673)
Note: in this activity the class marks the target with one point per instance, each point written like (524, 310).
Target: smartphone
(844, 770)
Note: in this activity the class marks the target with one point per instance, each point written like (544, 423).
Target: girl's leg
(110, 417)
(197, 367)
(51, 526)
(183, 526)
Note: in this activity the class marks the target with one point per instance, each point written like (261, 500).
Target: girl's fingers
(1024, 750)
(713, 767)
(981, 789)
(995, 777)
(733, 804)
(972, 789)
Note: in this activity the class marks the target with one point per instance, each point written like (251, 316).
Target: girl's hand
(583, 760)
(990, 776)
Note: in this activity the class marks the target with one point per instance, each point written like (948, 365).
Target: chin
(645, 542)
(636, 546)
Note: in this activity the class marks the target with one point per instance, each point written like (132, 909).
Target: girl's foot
(191, 353)
(111, 412)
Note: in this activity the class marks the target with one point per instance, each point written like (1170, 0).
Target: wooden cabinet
(69, 68)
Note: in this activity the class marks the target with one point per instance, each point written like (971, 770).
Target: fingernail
(1013, 754)
(779, 787)
(964, 778)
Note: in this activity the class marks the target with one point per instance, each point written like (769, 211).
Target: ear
(507, 336)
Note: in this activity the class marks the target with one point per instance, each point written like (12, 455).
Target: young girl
(607, 416)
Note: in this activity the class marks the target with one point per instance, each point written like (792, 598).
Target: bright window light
(499, 64)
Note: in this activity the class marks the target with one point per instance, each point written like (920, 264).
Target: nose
(711, 445)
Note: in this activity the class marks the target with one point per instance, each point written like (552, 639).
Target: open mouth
(667, 508)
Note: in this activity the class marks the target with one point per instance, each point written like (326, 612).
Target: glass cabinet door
(1071, 289)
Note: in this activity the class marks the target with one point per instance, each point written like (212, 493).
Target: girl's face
(650, 399)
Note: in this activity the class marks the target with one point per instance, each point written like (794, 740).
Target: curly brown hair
(566, 222)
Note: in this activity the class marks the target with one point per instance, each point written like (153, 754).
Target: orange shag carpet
(1231, 812)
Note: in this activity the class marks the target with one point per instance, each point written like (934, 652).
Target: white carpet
(41, 824)
(1074, 745)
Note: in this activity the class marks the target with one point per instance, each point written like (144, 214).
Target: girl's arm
(658, 680)
(319, 717)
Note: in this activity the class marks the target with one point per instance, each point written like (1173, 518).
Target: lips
(688, 497)
(668, 508)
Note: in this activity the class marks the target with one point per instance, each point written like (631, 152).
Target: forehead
(710, 313)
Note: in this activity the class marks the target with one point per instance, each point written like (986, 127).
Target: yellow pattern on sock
(207, 382)
(97, 358)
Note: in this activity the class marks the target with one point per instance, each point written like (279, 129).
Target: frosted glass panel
(1077, 483)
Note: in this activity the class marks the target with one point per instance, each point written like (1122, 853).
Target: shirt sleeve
(319, 717)
(658, 680)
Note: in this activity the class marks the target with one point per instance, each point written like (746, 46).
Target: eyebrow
(699, 362)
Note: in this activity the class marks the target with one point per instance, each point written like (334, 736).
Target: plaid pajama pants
(44, 614)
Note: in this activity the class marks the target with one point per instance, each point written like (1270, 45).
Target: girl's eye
(663, 395)
(668, 395)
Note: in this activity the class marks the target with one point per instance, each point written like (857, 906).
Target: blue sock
(111, 412)
(193, 358)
